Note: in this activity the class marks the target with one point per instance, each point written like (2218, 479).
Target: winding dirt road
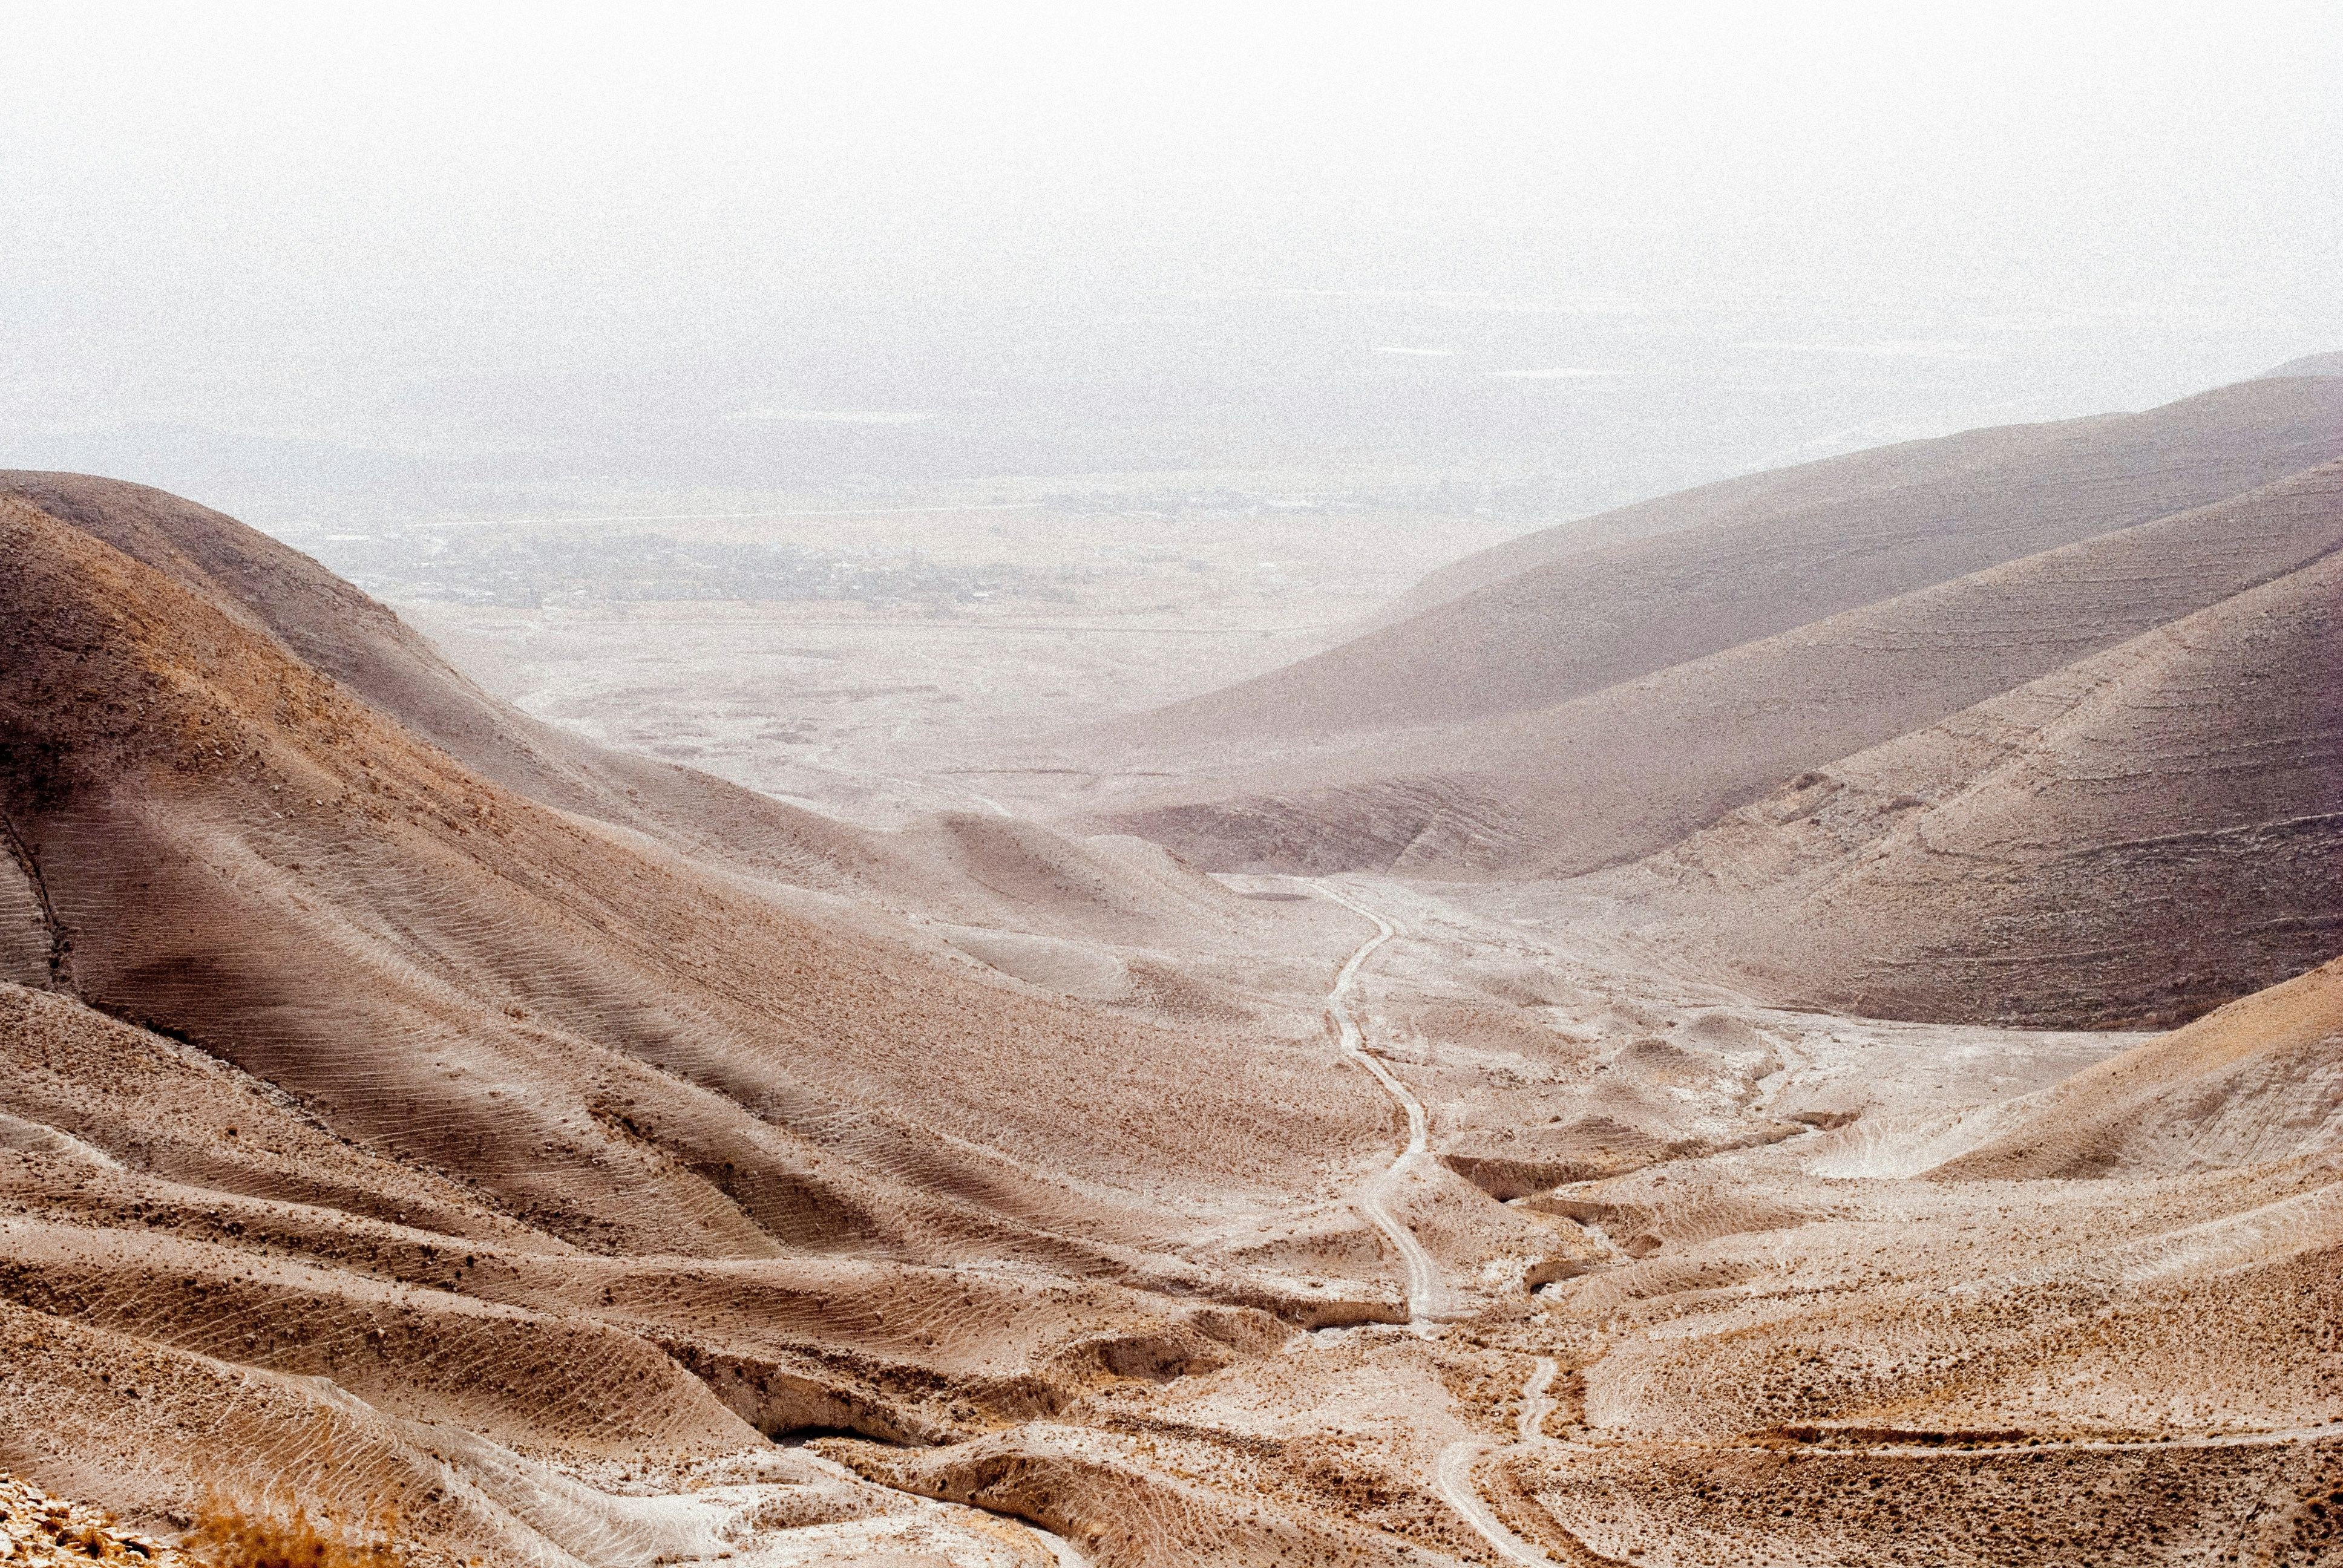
(1429, 1300)
(1428, 1297)
(1454, 1474)
(1537, 1401)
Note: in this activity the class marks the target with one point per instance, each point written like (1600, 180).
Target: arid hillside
(306, 986)
(2254, 1082)
(2313, 365)
(176, 774)
(2196, 864)
(2108, 1306)
(529, 1155)
(333, 631)
(2131, 839)
(1586, 605)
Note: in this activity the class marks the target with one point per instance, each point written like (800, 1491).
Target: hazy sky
(329, 187)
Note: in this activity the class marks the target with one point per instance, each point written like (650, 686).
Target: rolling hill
(1589, 604)
(538, 1156)
(2219, 601)
(504, 1105)
(2132, 839)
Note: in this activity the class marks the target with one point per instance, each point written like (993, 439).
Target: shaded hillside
(2312, 365)
(341, 1060)
(1464, 784)
(2135, 837)
(175, 775)
(1624, 771)
(332, 628)
(2259, 1080)
(1554, 617)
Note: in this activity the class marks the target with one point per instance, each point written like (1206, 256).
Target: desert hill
(178, 774)
(2254, 1082)
(1628, 770)
(2221, 607)
(1840, 1343)
(437, 1120)
(1553, 616)
(330, 627)
(2312, 365)
(2134, 838)
(315, 1024)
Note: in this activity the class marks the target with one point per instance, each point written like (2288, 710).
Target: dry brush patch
(276, 1531)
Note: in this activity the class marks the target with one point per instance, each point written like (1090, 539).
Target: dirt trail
(1429, 1300)
(1428, 1297)
(1537, 1401)
(1453, 1474)
(2315, 1432)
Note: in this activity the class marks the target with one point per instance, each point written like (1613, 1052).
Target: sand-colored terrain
(39, 1531)
(881, 705)
(1916, 619)
(1589, 604)
(417, 1110)
(2127, 840)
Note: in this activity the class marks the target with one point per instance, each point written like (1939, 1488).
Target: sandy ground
(878, 711)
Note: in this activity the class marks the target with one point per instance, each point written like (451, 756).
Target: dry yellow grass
(277, 1531)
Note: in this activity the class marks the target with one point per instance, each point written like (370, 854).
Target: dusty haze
(956, 787)
(417, 261)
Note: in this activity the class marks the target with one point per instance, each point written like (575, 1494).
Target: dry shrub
(278, 1532)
